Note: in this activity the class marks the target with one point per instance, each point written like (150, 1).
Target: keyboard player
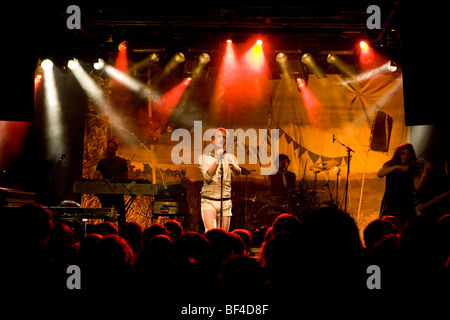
(112, 168)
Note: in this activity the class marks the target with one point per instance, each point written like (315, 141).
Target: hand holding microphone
(219, 153)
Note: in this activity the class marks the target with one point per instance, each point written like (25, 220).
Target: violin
(420, 164)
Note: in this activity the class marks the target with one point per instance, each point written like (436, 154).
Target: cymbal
(323, 166)
(336, 168)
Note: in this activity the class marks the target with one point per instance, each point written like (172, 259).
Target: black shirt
(112, 169)
(398, 199)
(277, 187)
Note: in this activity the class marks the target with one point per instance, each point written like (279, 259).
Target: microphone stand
(221, 194)
(349, 150)
(329, 191)
(246, 173)
(50, 182)
(338, 178)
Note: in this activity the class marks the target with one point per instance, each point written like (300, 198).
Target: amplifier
(165, 207)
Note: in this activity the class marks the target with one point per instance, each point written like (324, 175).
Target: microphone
(334, 138)
(63, 156)
(222, 156)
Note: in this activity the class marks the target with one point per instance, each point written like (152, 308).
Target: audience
(132, 232)
(175, 228)
(377, 230)
(321, 257)
(246, 237)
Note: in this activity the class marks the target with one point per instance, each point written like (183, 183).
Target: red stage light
(37, 82)
(229, 41)
(38, 78)
(166, 104)
(367, 55)
(363, 45)
(300, 82)
(313, 106)
(255, 57)
(123, 45)
(122, 59)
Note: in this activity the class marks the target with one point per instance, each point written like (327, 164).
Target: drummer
(283, 181)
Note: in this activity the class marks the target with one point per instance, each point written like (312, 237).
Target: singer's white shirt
(211, 184)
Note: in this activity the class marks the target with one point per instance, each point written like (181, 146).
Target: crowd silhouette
(164, 267)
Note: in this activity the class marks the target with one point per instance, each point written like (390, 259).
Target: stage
(131, 132)
(311, 93)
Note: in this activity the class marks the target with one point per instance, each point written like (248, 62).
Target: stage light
(121, 62)
(73, 64)
(283, 63)
(366, 56)
(392, 66)
(300, 82)
(38, 78)
(281, 57)
(204, 58)
(259, 42)
(312, 66)
(229, 41)
(154, 57)
(47, 64)
(99, 65)
(346, 70)
(143, 66)
(179, 57)
(123, 45)
(363, 45)
(173, 63)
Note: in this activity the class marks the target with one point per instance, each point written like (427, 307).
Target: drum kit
(264, 208)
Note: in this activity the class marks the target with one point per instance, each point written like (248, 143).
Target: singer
(217, 168)
(112, 168)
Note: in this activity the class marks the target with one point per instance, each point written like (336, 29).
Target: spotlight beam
(313, 106)
(88, 84)
(177, 59)
(54, 125)
(166, 104)
(128, 81)
(96, 94)
(203, 60)
(341, 65)
(312, 66)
